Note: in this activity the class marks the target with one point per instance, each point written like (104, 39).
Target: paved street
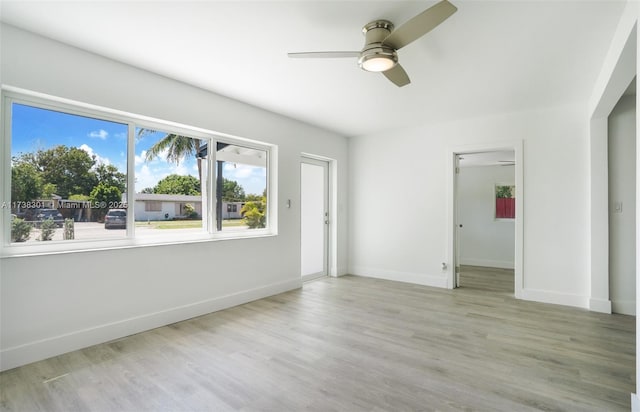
(84, 231)
(96, 231)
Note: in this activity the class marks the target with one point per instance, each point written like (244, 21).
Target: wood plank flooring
(352, 344)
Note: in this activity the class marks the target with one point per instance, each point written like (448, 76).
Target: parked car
(115, 218)
(44, 214)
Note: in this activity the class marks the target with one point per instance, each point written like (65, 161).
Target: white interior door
(314, 205)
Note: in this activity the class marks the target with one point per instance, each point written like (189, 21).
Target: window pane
(170, 176)
(241, 187)
(67, 171)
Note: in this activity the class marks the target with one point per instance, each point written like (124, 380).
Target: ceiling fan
(380, 51)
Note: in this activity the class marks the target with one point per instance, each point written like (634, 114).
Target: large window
(79, 174)
(67, 171)
(170, 181)
(242, 187)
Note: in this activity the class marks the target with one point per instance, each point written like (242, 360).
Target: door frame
(331, 230)
(452, 155)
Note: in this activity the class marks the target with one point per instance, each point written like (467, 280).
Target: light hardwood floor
(352, 344)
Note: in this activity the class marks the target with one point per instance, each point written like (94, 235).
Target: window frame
(9, 96)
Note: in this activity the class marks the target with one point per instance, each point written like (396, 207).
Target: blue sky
(35, 128)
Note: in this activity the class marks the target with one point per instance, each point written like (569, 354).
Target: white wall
(52, 304)
(390, 170)
(622, 192)
(618, 69)
(484, 241)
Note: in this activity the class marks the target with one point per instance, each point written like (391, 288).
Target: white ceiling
(489, 57)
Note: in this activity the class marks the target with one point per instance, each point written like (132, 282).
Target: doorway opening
(314, 218)
(486, 198)
(621, 167)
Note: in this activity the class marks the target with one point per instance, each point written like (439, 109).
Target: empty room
(318, 205)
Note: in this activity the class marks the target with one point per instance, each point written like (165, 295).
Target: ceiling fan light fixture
(379, 59)
(382, 42)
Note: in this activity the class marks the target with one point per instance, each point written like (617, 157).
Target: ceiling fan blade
(397, 75)
(420, 25)
(324, 55)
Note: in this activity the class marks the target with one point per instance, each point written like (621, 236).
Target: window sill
(73, 246)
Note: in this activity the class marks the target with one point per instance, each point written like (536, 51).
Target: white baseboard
(500, 264)
(624, 307)
(57, 345)
(339, 271)
(600, 305)
(408, 277)
(546, 296)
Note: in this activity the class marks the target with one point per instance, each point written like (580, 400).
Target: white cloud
(149, 175)
(140, 159)
(235, 171)
(145, 178)
(99, 134)
(180, 169)
(90, 152)
(251, 178)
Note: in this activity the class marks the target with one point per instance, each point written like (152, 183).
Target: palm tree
(176, 146)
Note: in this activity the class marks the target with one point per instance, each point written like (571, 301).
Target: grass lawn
(186, 224)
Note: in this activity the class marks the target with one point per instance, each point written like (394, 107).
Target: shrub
(254, 215)
(190, 211)
(20, 230)
(69, 232)
(47, 229)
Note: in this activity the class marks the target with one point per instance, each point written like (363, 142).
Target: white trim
(635, 402)
(45, 348)
(624, 307)
(5, 169)
(500, 264)
(600, 305)
(313, 276)
(438, 281)
(332, 247)
(547, 296)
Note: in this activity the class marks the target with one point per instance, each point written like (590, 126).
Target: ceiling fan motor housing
(375, 55)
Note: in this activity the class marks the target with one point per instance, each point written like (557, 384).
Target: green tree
(253, 213)
(102, 195)
(48, 190)
(232, 191)
(178, 185)
(111, 176)
(68, 168)
(26, 182)
(253, 197)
